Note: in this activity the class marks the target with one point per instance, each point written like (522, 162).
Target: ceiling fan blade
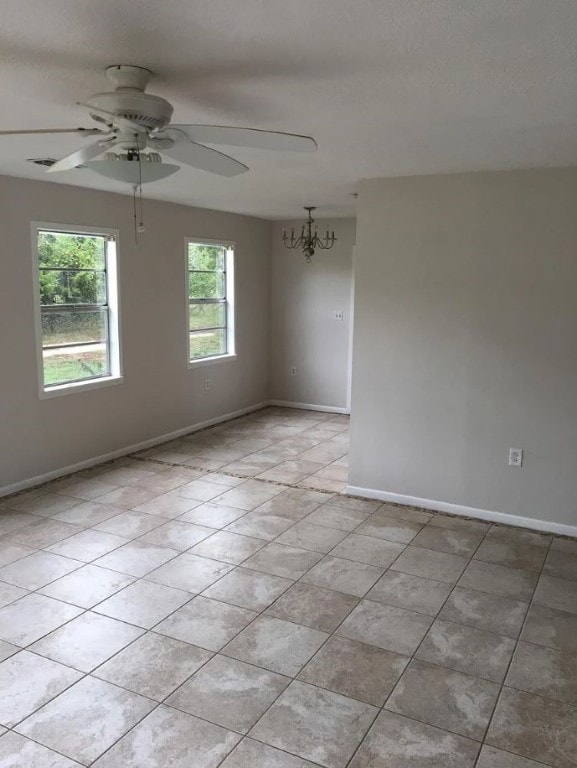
(83, 131)
(119, 122)
(248, 137)
(79, 157)
(205, 158)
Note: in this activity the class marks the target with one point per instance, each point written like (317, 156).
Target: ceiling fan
(135, 132)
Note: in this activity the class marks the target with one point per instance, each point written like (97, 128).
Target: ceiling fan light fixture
(133, 168)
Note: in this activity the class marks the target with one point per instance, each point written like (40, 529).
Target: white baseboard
(39, 479)
(460, 509)
(309, 406)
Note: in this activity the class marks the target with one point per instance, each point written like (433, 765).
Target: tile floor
(217, 601)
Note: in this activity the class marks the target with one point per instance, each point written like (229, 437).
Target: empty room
(288, 384)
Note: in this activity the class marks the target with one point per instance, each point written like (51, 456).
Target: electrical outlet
(293, 371)
(339, 314)
(515, 457)
(207, 383)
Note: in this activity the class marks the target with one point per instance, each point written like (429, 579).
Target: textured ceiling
(387, 87)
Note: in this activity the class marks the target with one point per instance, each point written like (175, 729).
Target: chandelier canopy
(308, 240)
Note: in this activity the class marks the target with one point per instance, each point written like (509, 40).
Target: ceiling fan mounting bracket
(125, 76)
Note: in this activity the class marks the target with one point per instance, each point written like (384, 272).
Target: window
(210, 293)
(76, 303)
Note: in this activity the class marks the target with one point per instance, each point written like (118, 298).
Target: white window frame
(113, 295)
(230, 354)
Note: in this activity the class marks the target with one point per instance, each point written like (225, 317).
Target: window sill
(210, 361)
(79, 386)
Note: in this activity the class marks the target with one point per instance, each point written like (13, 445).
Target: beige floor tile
(228, 547)
(27, 682)
(12, 520)
(382, 526)
(33, 616)
(7, 650)
(496, 758)
(313, 607)
(499, 580)
(87, 586)
(551, 628)
(342, 575)
(170, 738)
(88, 513)
(315, 724)
(136, 558)
(212, 515)
(43, 533)
(143, 603)
(519, 535)
(86, 720)
(366, 549)
(294, 503)
(448, 540)
(38, 569)
(291, 472)
(386, 626)
(450, 700)
(334, 516)
(153, 666)
(130, 524)
(314, 482)
(16, 751)
(229, 693)
(277, 645)
(492, 613)
(562, 565)
(221, 478)
(199, 490)
(261, 525)
(535, 728)
(128, 496)
(560, 594)
(10, 552)
(283, 560)
(405, 513)
(355, 669)
(398, 742)
(466, 649)
(411, 592)
(249, 495)
(9, 593)
(169, 506)
(515, 554)
(544, 671)
(248, 589)
(254, 754)
(45, 504)
(87, 488)
(177, 535)
(87, 641)
(206, 623)
(456, 523)
(189, 572)
(561, 544)
(87, 545)
(430, 564)
(317, 538)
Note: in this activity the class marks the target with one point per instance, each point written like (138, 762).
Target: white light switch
(515, 457)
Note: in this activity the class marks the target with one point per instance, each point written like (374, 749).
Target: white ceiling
(387, 87)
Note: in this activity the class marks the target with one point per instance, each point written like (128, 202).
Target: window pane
(206, 285)
(73, 363)
(207, 344)
(206, 316)
(67, 287)
(71, 327)
(57, 249)
(210, 257)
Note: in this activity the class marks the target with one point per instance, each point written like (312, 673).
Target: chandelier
(308, 240)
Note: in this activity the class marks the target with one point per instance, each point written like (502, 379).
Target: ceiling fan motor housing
(142, 108)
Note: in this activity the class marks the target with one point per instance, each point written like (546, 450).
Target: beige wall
(159, 393)
(304, 331)
(465, 341)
